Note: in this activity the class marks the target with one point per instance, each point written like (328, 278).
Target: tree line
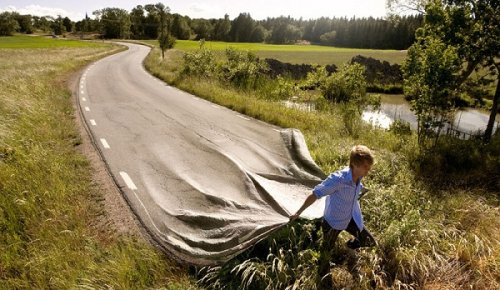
(144, 22)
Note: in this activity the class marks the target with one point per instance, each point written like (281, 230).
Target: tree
(57, 26)
(222, 28)
(240, 28)
(180, 29)
(68, 24)
(25, 23)
(258, 34)
(41, 23)
(115, 22)
(152, 22)
(8, 24)
(165, 39)
(138, 22)
(473, 27)
(328, 38)
(203, 29)
(430, 80)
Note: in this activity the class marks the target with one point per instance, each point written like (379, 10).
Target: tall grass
(431, 237)
(49, 205)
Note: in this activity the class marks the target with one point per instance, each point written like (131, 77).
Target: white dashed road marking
(244, 118)
(83, 99)
(105, 143)
(92, 121)
(128, 180)
(87, 109)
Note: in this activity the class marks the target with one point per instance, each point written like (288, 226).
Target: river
(394, 107)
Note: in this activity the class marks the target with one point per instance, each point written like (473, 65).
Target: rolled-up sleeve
(327, 187)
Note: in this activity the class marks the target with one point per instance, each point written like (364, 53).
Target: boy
(342, 212)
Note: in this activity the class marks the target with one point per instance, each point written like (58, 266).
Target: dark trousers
(362, 238)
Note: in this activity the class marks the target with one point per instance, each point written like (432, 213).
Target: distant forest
(143, 22)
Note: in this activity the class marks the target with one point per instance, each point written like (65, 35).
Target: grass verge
(48, 203)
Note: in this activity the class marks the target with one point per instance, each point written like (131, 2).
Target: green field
(297, 54)
(37, 41)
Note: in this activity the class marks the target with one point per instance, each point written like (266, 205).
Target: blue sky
(258, 9)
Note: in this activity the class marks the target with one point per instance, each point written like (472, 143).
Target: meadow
(36, 41)
(437, 226)
(54, 229)
(296, 54)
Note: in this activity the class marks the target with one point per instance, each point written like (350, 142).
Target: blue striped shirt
(341, 199)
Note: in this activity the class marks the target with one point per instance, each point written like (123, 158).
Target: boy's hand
(294, 217)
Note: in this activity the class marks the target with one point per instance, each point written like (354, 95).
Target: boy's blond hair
(359, 155)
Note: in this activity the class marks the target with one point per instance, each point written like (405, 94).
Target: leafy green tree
(328, 38)
(8, 24)
(284, 32)
(57, 26)
(203, 29)
(152, 22)
(259, 34)
(222, 28)
(114, 22)
(165, 39)
(430, 80)
(25, 23)
(41, 23)
(240, 28)
(138, 22)
(180, 28)
(68, 24)
(473, 27)
(346, 88)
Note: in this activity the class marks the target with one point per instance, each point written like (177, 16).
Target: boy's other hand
(294, 217)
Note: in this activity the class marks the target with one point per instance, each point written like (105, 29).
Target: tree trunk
(494, 109)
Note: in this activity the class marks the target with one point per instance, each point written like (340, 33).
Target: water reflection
(395, 107)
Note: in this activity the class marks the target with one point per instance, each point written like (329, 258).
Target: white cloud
(202, 10)
(37, 10)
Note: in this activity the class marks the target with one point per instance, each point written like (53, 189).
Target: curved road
(206, 182)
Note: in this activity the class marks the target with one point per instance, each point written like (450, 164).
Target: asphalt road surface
(205, 181)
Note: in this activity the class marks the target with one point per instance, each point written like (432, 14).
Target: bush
(200, 63)
(400, 128)
(346, 85)
(242, 69)
(461, 163)
(284, 89)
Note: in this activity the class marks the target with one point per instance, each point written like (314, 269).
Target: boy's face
(362, 169)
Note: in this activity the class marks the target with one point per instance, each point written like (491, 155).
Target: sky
(258, 9)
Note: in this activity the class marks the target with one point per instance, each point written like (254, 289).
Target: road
(205, 181)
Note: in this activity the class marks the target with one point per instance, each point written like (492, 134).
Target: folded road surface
(205, 181)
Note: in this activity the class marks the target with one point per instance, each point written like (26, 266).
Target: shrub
(283, 89)
(242, 69)
(400, 128)
(200, 63)
(346, 85)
